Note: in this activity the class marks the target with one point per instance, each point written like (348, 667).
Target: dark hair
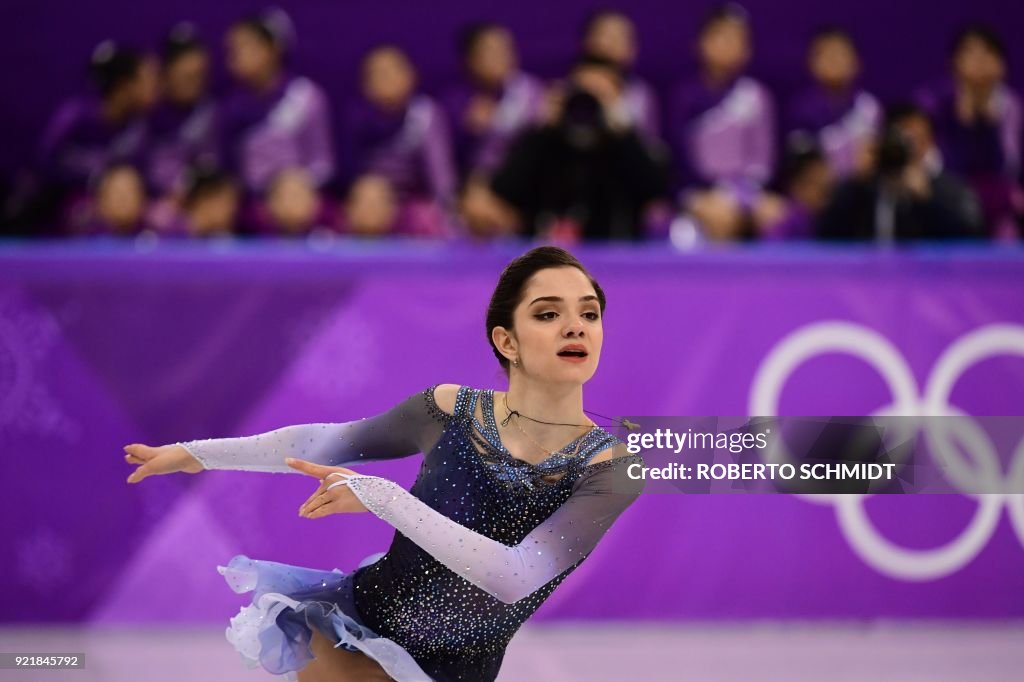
(509, 291)
(986, 34)
(384, 47)
(112, 66)
(180, 41)
(723, 12)
(100, 175)
(202, 181)
(599, 15)
(471, 34)
(898, 112)
(587, 60)
(801, 152)
(272, 25)
(833, 32)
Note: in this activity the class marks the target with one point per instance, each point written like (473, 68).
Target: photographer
(585, 174)
(906, 195)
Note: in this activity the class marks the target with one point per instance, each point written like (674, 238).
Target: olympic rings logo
(874, 349)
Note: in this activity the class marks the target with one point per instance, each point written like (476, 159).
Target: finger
(318, 470)
(320, 500)
(309, 500)
(325, 510)
(317, 501)
(140, 473)
(132, 459)
(143, 452)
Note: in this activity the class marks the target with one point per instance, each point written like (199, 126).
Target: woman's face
(292, 200)
(388, 78)
(185, 78)
(121, 198)
(612, 37)
(493, 58)
(725, 46)
(977, 64)
(251, 59)
(833, 62)
(558, 327)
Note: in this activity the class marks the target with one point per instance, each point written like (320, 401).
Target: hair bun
(279, 25)
(103, 53)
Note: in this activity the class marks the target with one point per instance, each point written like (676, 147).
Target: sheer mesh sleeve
(510, 573)
(412, 426)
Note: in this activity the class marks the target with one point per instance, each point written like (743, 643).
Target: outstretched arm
(408, 428)
(510, 573)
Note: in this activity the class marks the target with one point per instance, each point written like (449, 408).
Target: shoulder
(613, 471)
(616, 450)
(446, 397)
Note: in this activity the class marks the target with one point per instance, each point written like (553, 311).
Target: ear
(505, 341)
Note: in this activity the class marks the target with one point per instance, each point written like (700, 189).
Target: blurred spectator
(907, 195)
(293, 207)
(843, 116)
(373, 210)
(181, 128)
(89, 134)
(400, 135)
(273, 119)
(494, 102)
(585, 174)
(611, 35)
(210, 204)
(978, 123)
(805, 184)
(117, 206)
(723, 130)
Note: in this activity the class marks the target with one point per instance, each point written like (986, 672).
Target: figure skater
(515, 491)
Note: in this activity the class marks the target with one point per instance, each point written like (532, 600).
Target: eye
(550, 315)
(592, 316)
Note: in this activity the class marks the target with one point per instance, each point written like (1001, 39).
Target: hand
(324, 502)
(915, 179)
(166, 459)
(480, 113)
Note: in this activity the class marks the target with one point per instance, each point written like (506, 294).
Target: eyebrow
(559, 299)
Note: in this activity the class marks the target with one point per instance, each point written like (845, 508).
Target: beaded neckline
(503, 464)
(490, 431)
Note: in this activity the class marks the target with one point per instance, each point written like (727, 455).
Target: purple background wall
(47, 42)
(102, 345)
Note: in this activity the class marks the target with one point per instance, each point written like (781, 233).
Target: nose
(574, 329)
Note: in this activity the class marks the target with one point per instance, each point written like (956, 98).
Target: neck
(562, 403)
(718, 77)
(837, 91)
(267, 82)
(114, 110)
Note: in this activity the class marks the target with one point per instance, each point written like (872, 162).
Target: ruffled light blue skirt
(275, 630)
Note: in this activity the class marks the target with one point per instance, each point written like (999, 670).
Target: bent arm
(509, 573)
(408, 428)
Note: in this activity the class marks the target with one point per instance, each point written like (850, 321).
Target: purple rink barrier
(104, 344)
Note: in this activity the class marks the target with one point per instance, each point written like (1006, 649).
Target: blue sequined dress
(482, 539)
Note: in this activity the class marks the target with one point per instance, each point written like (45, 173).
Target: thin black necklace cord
(620, 423)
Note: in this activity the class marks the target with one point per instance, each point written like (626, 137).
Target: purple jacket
(518, 106)
(411, 148)
(641, 105)
(841, 126)
(723, 136)
(179, 137)
(78, 144)
(983, 148)
(265, 133)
